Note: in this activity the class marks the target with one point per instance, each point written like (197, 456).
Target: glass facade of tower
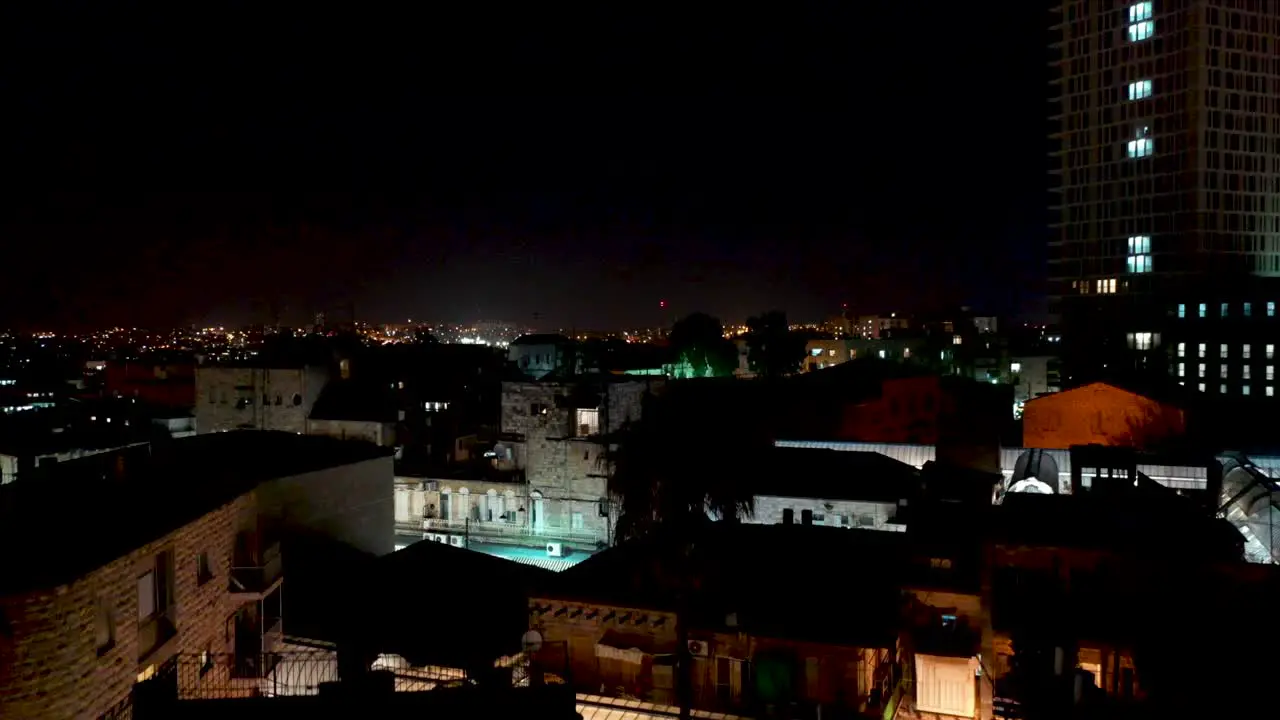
(1166, 161)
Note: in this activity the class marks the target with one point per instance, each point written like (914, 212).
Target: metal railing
(496, 528)
(256, 579)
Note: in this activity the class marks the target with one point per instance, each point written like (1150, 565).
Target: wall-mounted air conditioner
(555, 549)
(698, 648)
(456, 540)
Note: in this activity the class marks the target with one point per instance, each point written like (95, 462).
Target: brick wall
(50, 665)
(220, 391)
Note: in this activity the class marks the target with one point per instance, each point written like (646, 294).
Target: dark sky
(227, 163)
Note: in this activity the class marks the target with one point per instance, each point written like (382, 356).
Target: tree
(772, 349)
(699, 341)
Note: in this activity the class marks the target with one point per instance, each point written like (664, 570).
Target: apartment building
(263, 397)
(177, 553)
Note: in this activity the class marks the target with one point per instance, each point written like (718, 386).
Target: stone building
(556, 429)
(197, 573)
(233, 397)
(810, 486)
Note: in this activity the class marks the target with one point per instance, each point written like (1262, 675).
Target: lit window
(1200, 387)
(1200, 350)
(1142, 340)
(1248, 309)
(881, 354)
(1271, 372)
(1244, 372)
(1139, 90)
(1015, 367)
(1245, 352)
(1222, 372)
(1222, 350)
(1139, 244)
(1139, 263)
(1222, 310)
(1270, 391)
(1244, 389)
(1182, 349)
(1222, 389)
(1139, 11)
(1141, 31)
(956, 340)
(1201, 370)
(1141, 147)
(1271, 351)
(1182, 369)
(1271, 309)
(1106, 286)
(1182, 310)
(1202, 309)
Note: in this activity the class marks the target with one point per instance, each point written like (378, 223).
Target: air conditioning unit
(555, 549)
(698, 648)
(455, 540)
(441, 538)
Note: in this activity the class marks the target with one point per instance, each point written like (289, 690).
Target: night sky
(554, 168)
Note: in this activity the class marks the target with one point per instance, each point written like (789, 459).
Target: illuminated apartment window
(1200, 370)
(1202, 309)
(1271, 372)
(1143, 340)
(1106, 286)
(1245, 372)
(1139, 263)
(1271, 351)
(1139, 90)
(1015, 367)
(1222, 310)
(1222, 350)
(1222, 372)
(1141, 31)
(1141, 147)
(1248, 309)
(1182, 349)
(1271, 309)
(1222, 389)
(1244, 389)
(1200, 387)
(1139, 11)
(1270, 391)
(1182, 310)
(1182, 369)
(1200, 350)
(1246, 352)
(956, 340)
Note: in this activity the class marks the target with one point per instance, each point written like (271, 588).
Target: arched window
(297, 399)
(446, 503)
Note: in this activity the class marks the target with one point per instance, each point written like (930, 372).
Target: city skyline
(798, 162)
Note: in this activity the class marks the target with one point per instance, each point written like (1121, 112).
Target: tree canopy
(773, 350)
(699, 341)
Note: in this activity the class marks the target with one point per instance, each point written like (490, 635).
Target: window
(538, 409)
(1248, 309)
(1245, 351)
(1182, 349)
(147, 595)
(1139, 11)
(1222, 389)
(1271, 309)
(578, 521)
(1141, 31)
(297, 399)
(1244, 389)
(1139, 263)
(1015, 367)
(1222, 350)
(1182, 310)
(1200, 370)
(1222, 310)
(1271, 351)
(1141, 146)
(1271, 391)
(1201, 350)
(1271, 372)
(204, 573)
(1200, 387)
(104, 626)
(956, 339)
(1182, 369)
(1202, 309)
(1244, 372)
(1142, 340)
(588, 422)
(1106, 286)
(788, 516)
(1139, 90)
(1222, 372)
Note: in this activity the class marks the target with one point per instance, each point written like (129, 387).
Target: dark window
(788, 516)
(806, 517)
(104, 627)
(204, 573)
(278, 399)
(297, 399)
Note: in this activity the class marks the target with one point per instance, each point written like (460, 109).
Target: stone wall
(351, 503)
(843, 513)
(228, 398)
(50, 663)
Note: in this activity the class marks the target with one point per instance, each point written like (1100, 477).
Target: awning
(630, 647)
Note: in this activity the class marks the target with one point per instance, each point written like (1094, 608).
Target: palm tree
(690, 461)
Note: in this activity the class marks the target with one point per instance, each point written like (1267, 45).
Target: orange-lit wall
(906, 412)
(1099, 414)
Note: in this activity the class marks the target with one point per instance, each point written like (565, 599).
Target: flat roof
(836, 475)
(124, 499)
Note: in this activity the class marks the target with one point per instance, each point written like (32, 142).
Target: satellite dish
(532, 641)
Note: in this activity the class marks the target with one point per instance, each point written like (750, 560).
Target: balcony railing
(482, 528)
(256, 579)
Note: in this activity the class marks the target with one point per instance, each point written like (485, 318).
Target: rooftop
(355, 401)
(541, 339)
(836, 475)
(136, 495)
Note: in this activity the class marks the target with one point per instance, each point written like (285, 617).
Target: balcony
(256, 577)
